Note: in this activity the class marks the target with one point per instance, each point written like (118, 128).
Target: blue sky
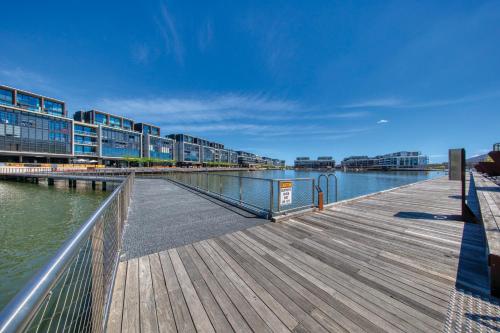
(277, 78)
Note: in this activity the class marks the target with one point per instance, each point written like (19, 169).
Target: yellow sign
(286, 193)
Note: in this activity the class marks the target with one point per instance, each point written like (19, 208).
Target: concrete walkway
(163, 215)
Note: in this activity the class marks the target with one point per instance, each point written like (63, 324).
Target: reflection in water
(34, 221)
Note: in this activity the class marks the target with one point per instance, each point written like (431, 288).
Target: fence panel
(73, 291)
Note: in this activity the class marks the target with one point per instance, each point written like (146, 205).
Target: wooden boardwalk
(383, 263)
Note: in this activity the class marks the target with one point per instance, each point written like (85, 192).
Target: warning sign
(286, 193)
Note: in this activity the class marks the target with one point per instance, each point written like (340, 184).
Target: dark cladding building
(323, 162)
(33, 127)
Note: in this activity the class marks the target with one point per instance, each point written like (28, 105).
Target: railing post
(313, 193)
(279, 193)
(220, 185)
(271, 197)
(98, 292)
(241, 189)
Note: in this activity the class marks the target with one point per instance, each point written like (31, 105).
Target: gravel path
(163, 215)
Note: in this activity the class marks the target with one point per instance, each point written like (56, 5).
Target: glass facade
(161, 148)
(127, 124)
(28, 132)
(28, 102)
(54, 108)
(115, 122)
(191, 152)
(155, 131)
(116, 143)
(85, 130)
(208, 154)
(6, 97)
(85, 150)
(224, 156)
(100, 119)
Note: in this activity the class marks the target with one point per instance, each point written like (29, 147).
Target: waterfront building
(117, 138)
(37, 129)
(397, 160)
(153, 144)
(247, 159)
(86, 140)
(323, 162)
(33, 128)
(187, 148)
(191, 150)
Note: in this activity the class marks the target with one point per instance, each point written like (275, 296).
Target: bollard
(320, 200)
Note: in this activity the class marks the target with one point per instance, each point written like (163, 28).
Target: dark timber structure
(401, 260)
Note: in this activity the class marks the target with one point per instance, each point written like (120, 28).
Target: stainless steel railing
(259, 195)
(328, 199)
(73, 291)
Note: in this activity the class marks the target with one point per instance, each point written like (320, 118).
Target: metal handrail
(21, 309)
(336, 185)
(327, 177)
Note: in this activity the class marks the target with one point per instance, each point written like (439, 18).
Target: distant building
(398, 160)
(323, 162)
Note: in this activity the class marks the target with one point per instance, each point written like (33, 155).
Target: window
(115, 122)
(100, 118)
(6, 97)
(54, 108)
(127, 124)
(155, 131)
(28, 102)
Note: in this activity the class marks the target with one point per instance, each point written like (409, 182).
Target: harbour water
(353, 184)
(35, 220)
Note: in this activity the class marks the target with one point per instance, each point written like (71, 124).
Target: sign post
(285, 193)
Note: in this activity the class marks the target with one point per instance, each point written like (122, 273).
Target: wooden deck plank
(147, 304)
(247, 311)
(115, 317)
(213, 310)
(198, 313)
(131, 312)
(387, 262)
(183, 320)
(166, 321)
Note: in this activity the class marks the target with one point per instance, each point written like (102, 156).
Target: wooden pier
(398, 261)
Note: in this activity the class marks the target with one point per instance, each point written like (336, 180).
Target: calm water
(353, 184)
(34, 221)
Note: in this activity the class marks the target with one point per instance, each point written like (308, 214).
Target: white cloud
(172, 41)
(382, 121)
(392, 102)
(384, 102)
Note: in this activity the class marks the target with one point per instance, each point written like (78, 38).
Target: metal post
(220, 185)
(271, 197)
(279, 194)
(241, 189)
(320, 200)
(313, 193)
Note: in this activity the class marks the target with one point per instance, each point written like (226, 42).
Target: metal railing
(259, 195)
(328, 198)
(73, 291)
